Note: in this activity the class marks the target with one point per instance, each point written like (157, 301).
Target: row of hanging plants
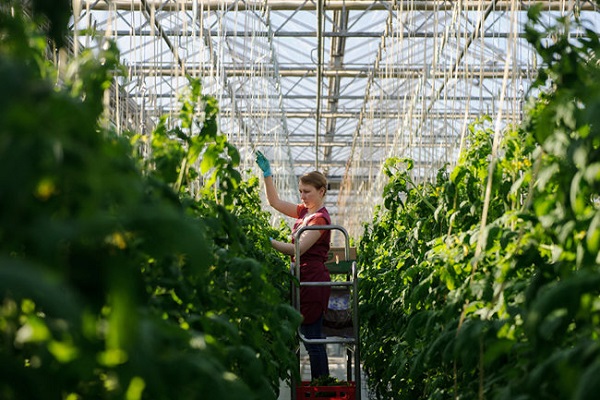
(485, 283)
(125, 276)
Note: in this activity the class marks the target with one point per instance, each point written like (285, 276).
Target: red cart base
(346, 392)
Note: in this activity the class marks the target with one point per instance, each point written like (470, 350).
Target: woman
(314, 248)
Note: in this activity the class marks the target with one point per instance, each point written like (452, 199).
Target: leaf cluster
(123, 276)
(256, 332)
(457, 305)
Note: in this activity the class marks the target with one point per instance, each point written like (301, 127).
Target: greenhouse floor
(337, 368)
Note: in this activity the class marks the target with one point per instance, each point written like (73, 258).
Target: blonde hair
(316, 179)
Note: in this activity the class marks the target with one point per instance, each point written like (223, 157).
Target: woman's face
(310, 195)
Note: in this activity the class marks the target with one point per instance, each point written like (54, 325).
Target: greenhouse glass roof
(333, 85)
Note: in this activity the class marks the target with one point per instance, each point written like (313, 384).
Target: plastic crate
(345, 392)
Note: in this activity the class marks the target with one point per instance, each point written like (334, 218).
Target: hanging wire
(440, 102)
(497, 133)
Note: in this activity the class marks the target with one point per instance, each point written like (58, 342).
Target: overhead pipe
(343, 72)
(294, 5)
(302, 34)
(397, 97)
(349, 115)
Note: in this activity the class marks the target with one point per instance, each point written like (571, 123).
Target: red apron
(314, 299)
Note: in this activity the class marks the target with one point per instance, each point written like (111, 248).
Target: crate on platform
(340, 392)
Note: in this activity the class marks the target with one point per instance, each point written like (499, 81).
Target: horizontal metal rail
(292, 5)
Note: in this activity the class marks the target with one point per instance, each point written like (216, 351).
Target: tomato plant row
(122, 275)
(486, 282)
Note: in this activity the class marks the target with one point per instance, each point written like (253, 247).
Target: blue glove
(263, 163)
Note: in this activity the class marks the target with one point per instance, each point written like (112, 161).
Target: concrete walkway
(337, 368)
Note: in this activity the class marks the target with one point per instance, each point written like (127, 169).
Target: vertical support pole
(320, 45)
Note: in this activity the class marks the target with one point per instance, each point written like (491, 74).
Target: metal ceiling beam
(354, 115)
(245, 96)
(371, 144)
(298, 34)
(291, 5)
(339, 72)
(342, 164)
(328, 164)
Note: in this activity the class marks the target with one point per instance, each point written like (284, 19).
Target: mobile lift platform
(342, 267)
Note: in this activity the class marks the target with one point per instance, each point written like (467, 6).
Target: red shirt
(314, 299)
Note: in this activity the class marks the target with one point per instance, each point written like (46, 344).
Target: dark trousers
(317, 353)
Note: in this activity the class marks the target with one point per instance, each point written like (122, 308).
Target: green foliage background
(121, 276)
(486, 282)
(133, 277)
